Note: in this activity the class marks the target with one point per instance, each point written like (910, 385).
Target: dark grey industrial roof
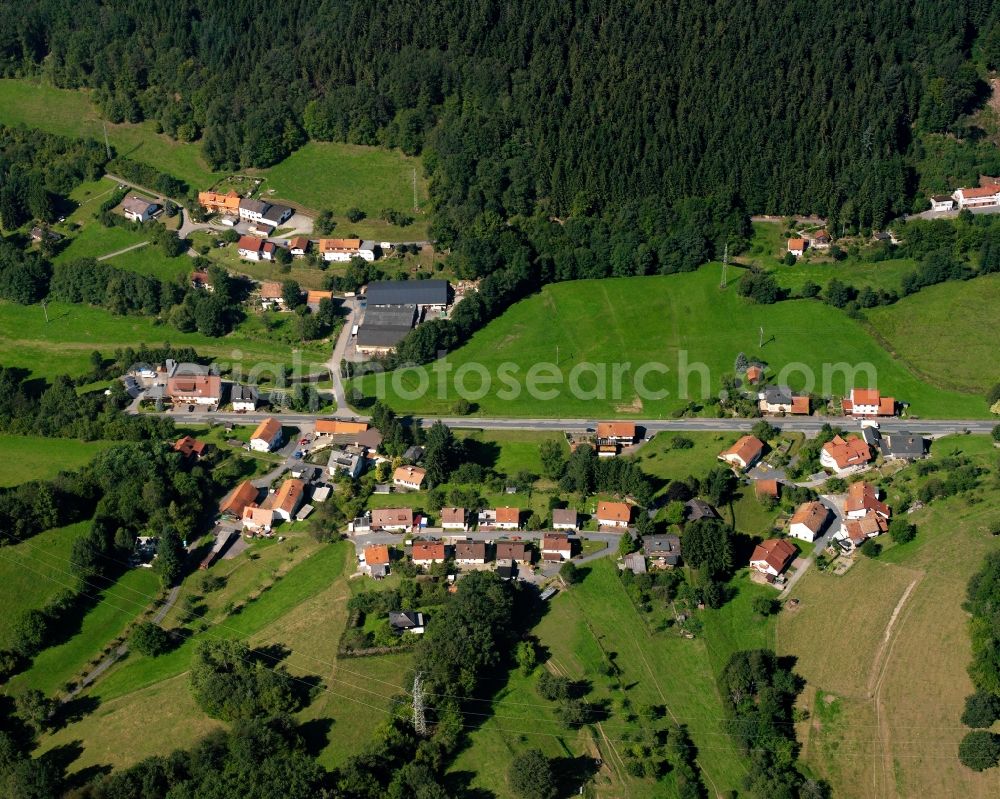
(372, 336)
(254, 206)
(407, 292)
(275, 212)
(391, 316)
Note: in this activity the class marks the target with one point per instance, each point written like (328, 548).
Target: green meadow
(684, 323)
(37, 458)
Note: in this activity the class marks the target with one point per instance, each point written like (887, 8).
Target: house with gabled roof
(470, 553)
(744, 453)
(289, 498)
(797, 246)
(508, 518)
(663, 551)
(391, 519)
(375, 560)
(862, 499)
(454, 519)
(516, 551)
(233, 504)
(868, 403)
(772, 557)
(267, 436)
(564, 519)
(139, 209)
(190, 448)
(257, 520)
(809, 521)
(410, 477)
(613, 514)
(425, 553)
(845, 455)
(780, 399)
(556, 546)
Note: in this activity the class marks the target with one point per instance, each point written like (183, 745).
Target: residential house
(233, 504)
(867, 403)
(411, 477)
(289, 498)
(856, 531)
(744, 453)
(271, 294)
(423, 294)
(274, 215)
(619, 432)
(257, 520)
(406, 621)
(343, 250)
(767, 488)
(845, 455)
(392, 519)
(424, 553)
(695, 509)
(942, 202)
(214, 202)
(201, 281)
(337, 427)
(252, 210)
(779, 399)
(298, 246)
(977, 197)
(39, 234)
(556, 546)
(349, 463)
(454, 519)
(754, 373)
(820, 240)
(252, 248)
(508, 518)
(797, 246)
(772, 557)
(486, 518)
(903, 446)
(564, 519)
(613, 514)
(136, 209)
(261, 230)
(516, 551)
(370, 439)
(663, 551)
(191, 388)
(190, 448)
(808, 521)
(470, 553)
(267, 436)
(862, 499)
(375, 560)
(244, 397)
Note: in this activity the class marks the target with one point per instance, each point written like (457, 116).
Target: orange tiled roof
(613, 511)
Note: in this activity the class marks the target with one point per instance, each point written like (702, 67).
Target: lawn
(882, 275)
(340, 176)
(28, 581)
(38, 458)
(150, 260)
(886, 700)
(119, 604)
(662, 460)
(949, 332)
(64, 343)
(508, 451)
(70, 113)
(683, 324)
(583, 627)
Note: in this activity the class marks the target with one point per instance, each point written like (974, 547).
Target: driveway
(835, 502)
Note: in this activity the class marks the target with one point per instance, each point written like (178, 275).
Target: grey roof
(942, 198)
(635, 562)
(392, 316)
(242, 392)
(564, 516)
(414, 454)
(254, 206)
(655, 545)
(871, 435)
(406, 619)
(277, 212)
(778, 395)
(407, 292)
(372, 336)
(367, 244)
(137, 205)
(903, 445)
(370, 439)
(699, 509)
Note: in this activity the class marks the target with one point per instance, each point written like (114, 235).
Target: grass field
(884, 650)
(64, 343)
(27, 581)
(883, 275)
(684, 322)
(949, 332)
(38, 458)
(508, 451)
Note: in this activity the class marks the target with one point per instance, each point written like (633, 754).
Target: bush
(764, 605)
(871, 548)
(981, 709)
(569, 573)
(530, 776)
(680, 442)
(902, 531)
(355, 214)
(149, 639)
(979, 750)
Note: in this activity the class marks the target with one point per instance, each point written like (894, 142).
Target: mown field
(64, 343)
(949, 332)
(684, 322)
(884, 650)
(37, 458)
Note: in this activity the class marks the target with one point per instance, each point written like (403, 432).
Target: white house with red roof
(867, 403)
(772, 557)
(252, 248)
(978, 197)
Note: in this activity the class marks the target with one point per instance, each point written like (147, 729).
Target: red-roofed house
(772, 557)
(767, 488)
(808, 521)
(289, 498)
(978, 197)
(621, 432)
(556, 546)
(195, 389)
(267, 436)
(867, 403)
(844, 455)
(424, 553)
(392, 519)
(857, 531)
(613, 514)
(454, 519)
(190, 448)
(253, 248)
(298, 246)
(744, 453)
(244, 494)
(508, 518)
(862, 499)
(257, 520)
(797, 246)
(754, 374)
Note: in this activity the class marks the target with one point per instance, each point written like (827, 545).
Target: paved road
(835, 504)
(810, 425)
(340, 349)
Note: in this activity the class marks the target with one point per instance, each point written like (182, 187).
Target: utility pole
(45, 311)
(557, 354)
(416, 205)
(725, 266)
(419, 720)
(760, 344)
(107, 147)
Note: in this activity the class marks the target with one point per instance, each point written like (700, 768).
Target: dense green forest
(544, 106)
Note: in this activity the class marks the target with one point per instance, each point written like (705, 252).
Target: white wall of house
(801, 532)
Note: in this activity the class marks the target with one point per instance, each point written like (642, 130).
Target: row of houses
(235, 208)
(978, 197)
(820, 240)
